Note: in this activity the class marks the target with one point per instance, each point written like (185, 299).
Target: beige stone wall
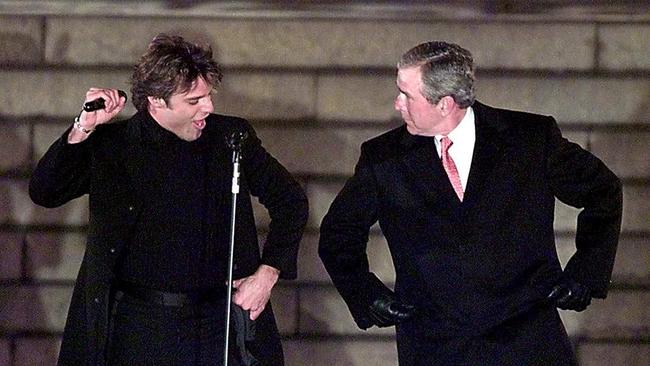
(316, 81)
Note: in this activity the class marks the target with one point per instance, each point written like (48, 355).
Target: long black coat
(106, 166)
(472, 266)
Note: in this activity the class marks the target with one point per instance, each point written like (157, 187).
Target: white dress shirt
(463, 138)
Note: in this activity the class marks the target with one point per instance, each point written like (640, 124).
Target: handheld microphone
(98, 103)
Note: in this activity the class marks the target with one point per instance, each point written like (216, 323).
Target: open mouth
(199, 124)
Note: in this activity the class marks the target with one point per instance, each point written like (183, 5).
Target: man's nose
(207, 106)
(398, 102)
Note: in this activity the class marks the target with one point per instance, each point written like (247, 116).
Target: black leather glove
(387, 311)
(570, 295)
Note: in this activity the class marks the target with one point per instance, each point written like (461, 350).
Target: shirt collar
(464, 132)
(153, 133)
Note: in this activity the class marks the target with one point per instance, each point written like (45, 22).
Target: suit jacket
(106, 166)
(470, 266)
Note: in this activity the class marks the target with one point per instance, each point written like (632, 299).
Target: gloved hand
(387, 311)
(570, 295)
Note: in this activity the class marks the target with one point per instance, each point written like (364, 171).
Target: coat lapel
(133, 158)
(489, 151)
(426, 172)
(429, 177)
(219, 161)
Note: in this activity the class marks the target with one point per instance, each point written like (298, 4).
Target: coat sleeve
(344, 237)
(285, 201)
(62, 174)
(581, 180)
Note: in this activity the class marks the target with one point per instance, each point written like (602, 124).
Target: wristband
(78, 126)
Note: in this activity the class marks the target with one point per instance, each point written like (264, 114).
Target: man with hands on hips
(151, 287)
(464, 194)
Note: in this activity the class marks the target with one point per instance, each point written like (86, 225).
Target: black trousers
(143, 333)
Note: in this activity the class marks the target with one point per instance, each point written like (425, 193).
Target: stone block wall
(316, 79)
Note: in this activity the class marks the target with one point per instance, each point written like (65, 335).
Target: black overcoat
(474, 265)
(106, 166)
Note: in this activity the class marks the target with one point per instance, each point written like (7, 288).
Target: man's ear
(446, 104)
(157, 102)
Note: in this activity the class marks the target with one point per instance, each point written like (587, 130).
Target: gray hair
(447, 70)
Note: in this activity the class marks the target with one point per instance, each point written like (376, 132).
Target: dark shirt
(178, 243)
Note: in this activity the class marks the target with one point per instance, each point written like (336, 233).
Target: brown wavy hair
(170, 66)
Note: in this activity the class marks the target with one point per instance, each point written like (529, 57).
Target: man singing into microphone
(151, 288)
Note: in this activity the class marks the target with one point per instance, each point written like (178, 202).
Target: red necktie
(450, 166)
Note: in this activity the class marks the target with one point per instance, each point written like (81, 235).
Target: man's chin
(412, 130)
(189, 137)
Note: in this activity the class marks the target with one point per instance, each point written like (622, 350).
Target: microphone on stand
(236, 139)
(98, 103)
(234, 142)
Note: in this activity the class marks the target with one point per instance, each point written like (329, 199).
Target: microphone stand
(234, 142)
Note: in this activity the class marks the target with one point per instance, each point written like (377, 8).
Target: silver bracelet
(78, 126)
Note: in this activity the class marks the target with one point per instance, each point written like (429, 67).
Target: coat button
(112, 250)
(96, 300)
(131, 208)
